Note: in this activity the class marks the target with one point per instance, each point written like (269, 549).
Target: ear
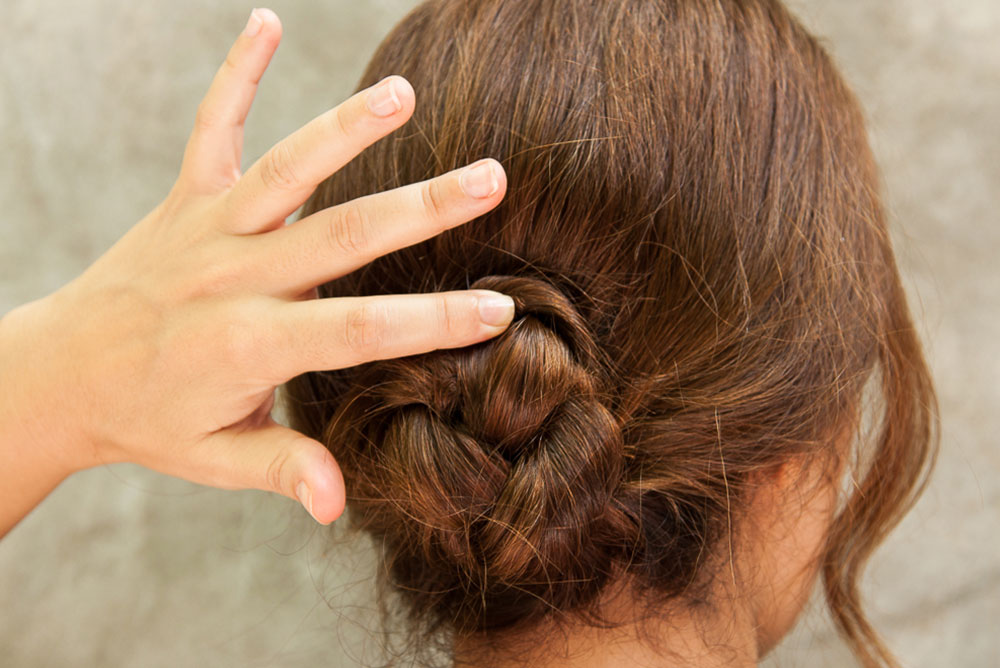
(822, 463)
(792, 511)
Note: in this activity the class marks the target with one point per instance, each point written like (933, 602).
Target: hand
(167, 351)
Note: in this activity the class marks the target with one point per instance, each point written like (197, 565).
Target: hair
(705, 288)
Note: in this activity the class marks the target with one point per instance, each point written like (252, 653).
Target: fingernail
(305, 497)
(496, 309)
(480, 180)
(254, 24)
(382, 100)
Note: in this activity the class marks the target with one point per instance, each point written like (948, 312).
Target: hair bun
(545, 362)
(494, 465)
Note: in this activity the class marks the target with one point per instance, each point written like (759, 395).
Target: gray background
(123, 567)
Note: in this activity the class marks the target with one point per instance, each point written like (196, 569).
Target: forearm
(32, 463)
(26, 478)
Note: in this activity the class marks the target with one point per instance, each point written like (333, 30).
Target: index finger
(278, 183)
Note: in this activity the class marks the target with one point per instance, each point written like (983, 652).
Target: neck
(686, 638)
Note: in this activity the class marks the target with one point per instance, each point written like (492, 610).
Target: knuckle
(350, 232)
(274, 476)
(238, 343)
(435, 202)
(277, 169)
(219, 278)
(453, 323)
(338, 122)
(445, 318)
(229, 64)
(365, 330)
(205, 118)
(207, 272)
(242, 339)
(215, 281)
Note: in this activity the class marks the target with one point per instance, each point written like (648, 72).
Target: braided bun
(700, 174)
(489, 471)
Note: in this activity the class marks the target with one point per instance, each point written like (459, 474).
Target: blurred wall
(121, 566)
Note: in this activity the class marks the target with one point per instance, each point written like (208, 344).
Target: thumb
(275, 458)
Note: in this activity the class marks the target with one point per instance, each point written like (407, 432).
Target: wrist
(35, 423)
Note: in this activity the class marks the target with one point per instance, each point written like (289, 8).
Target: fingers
(338, 240)
(213, 154)
(336, 333)
(286, 175)
(275, 459)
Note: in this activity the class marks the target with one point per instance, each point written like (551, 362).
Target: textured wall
(121, 566)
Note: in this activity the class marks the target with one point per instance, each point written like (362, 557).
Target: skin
(166, 352)
(760, 589)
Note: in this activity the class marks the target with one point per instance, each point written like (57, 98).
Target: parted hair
(704, 288)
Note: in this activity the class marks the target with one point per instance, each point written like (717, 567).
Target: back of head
(704, 285)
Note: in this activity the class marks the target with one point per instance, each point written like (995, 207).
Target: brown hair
(704, 288)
